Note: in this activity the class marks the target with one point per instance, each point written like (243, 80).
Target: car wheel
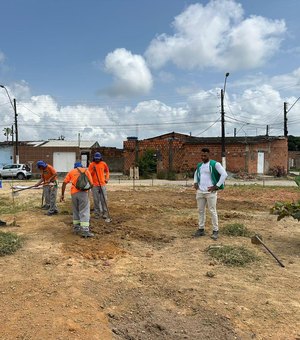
(20, 176)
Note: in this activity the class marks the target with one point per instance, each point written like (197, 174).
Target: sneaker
(199, 233)
(215, 235)
(104, 216)
(2, 223)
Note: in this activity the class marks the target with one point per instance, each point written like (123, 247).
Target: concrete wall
(6, 154)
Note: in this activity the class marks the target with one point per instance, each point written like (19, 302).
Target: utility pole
(16, 132)
(223, 153)
(267, 130)
(285, 119)
(14, 106)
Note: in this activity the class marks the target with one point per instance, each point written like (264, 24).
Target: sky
(105, 70)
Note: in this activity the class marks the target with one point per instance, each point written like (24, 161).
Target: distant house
(294, 159)
(180, 153)
(63, 154)
(6, 153)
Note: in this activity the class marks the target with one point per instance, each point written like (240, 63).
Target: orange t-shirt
(102, 172)
(72, 177)
(48, 173)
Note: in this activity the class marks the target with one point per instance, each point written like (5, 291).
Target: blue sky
(109, 69)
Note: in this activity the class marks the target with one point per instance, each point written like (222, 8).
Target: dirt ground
(144, 276)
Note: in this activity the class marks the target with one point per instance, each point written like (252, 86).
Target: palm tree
(7, 132)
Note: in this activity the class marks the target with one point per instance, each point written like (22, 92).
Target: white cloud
(130, 72)
(216, 35)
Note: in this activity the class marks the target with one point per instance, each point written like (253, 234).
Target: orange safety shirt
(48, 173)
(72, 177)
(102, 172)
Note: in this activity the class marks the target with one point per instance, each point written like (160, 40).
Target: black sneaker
(199, 233)
(2, 223)
(215, 235)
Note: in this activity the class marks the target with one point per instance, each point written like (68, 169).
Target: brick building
(180, 153)
(62, 154)
(294, 159)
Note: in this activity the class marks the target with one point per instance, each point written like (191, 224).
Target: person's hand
(213, 188)
(196, 186)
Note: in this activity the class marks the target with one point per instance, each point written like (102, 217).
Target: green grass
(7, 206)
(9, 243)
(236, 229)
(234, 256)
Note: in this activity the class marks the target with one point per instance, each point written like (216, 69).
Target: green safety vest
(215, 176)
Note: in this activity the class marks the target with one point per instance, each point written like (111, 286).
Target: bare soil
(144, 276)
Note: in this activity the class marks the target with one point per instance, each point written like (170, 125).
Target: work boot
(76, 229)
(50, 213)
(86, 233)
(215, 235)
(199, 233)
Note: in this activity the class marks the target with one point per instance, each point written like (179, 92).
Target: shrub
(236, 229)
(9, 243)
(277, 171)
(232, 256)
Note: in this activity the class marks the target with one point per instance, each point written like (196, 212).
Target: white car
(20, 171)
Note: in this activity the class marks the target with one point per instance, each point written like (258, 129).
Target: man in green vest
(209, 177)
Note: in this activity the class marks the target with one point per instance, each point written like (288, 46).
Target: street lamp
(14, 106)
(223, 122)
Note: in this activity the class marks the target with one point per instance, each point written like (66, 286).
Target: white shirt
(205, 176)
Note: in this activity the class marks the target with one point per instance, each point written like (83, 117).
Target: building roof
(215, 140)
(65, 143)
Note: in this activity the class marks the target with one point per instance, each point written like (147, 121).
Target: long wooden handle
(275, 257)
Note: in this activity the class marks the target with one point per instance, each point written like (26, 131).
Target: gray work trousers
(50, 194)
(81, 209)
(100, 200)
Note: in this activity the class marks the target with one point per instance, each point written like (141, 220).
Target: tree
(147, 163)
(7, 132)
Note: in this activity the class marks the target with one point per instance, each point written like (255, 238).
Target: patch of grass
(236, 229)
(232, 256)
(21, 204)
(9, 243)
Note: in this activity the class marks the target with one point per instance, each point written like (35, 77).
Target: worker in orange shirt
(80, 201)
(100, 174)
(50, 186)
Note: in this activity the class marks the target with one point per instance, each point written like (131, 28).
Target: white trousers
(208, 199)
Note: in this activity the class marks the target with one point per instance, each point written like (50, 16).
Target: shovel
(257, 240)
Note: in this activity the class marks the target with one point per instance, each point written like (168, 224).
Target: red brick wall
(179, 156)
(112, 156)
